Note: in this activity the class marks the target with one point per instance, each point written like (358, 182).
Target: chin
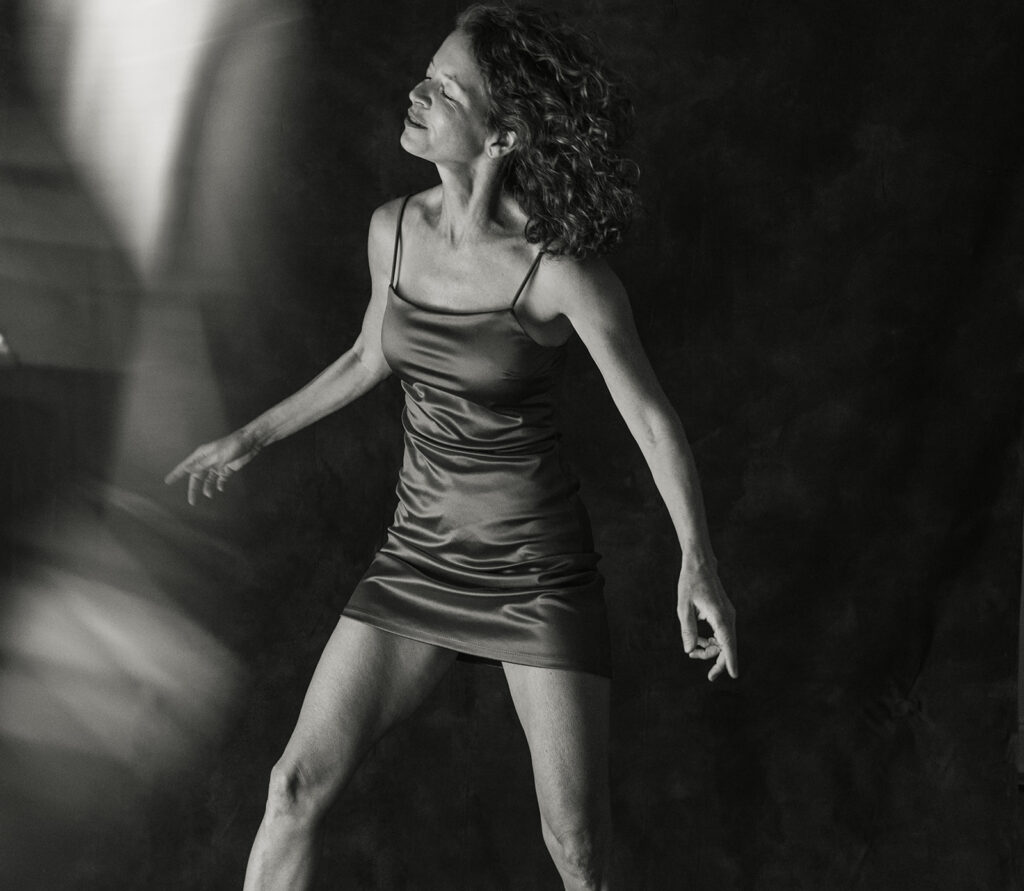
(405, 142)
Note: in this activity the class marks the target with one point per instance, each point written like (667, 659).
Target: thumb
(688, 624)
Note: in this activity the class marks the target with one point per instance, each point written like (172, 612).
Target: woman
(477, 284)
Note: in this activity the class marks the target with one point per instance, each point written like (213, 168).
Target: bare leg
(367, 680)
(565, 717)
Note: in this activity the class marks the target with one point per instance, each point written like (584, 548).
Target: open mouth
(413, 123)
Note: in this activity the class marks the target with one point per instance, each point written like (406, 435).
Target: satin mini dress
(490, 551)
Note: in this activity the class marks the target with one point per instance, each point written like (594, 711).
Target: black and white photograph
(511, 445)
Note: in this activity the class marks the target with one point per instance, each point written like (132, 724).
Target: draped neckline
(440, 311)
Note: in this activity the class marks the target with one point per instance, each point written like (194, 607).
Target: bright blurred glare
(108, 682)
(124, 78)
(121, 73)
(97, 660)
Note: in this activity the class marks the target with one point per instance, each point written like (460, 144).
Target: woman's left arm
(594, 300)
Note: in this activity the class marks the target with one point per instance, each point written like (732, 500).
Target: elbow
(373, 364)
(376, 371)
(659, 427)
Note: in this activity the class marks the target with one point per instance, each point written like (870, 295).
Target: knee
(296, 794)
(579, 852)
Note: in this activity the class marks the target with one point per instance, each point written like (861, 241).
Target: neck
(472, 202)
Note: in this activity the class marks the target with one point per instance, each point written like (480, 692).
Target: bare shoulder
(383, 222)
(384, 228)
(586, 289)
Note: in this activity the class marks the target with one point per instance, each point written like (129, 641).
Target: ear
(500, 144)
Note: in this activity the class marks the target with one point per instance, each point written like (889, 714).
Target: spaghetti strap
(398, 240)
(529, 273)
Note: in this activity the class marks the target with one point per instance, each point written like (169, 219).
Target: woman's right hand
(210, 465)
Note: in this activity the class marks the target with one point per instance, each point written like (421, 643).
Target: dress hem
(471, 649)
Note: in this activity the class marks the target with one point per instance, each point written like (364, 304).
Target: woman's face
(446, 119)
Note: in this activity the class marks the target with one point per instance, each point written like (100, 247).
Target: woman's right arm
(354, 373)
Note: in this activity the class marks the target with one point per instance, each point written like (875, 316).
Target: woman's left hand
(701, 596)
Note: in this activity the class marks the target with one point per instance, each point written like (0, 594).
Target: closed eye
(443, 93)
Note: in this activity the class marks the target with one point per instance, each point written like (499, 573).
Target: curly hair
(570, 114)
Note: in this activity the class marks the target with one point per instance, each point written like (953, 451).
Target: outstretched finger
(193, 488)
(210, 482)
(178, 473)
(725, 634)
(688, 626)
(719, 667)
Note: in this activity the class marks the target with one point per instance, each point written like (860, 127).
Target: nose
(419, 95)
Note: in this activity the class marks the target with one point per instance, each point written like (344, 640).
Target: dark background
(827, 277)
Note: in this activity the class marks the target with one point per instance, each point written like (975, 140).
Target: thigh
(565, 718)
(366, 681)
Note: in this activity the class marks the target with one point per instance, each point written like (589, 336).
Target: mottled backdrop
(828, 278)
